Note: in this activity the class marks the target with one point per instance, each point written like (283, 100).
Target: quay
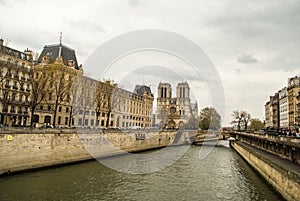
(27, 149)
(275, 158)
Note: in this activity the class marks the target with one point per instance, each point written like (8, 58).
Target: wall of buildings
(284, 181)
(15, 87)
(282, 110)
(53, 90)
(29, 149)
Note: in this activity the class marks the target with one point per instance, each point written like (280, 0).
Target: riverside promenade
(275, 160)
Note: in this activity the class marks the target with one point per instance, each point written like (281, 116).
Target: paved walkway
(284, 163)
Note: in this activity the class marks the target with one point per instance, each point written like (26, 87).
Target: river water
(223, 175)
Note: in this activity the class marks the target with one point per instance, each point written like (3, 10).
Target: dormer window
(70, 63)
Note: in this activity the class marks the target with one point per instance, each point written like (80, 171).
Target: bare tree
(237, 119)
(5, 94)
(246, 119)
(240, 119)
(110, 100)
(61, 88)
(99, 101)
(76, 99)
(38, 83)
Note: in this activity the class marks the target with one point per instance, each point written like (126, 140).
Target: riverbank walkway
(276, 160)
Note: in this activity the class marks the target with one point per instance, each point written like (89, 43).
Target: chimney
(1, 42)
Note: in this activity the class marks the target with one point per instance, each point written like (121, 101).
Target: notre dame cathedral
(176, 112)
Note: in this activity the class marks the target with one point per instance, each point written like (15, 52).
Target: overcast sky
(253, 44)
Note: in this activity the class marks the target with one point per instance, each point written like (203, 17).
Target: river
(223, 175)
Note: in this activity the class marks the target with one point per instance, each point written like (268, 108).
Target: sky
(254, 45)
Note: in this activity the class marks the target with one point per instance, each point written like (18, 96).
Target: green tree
(209, 119)
(256, 124)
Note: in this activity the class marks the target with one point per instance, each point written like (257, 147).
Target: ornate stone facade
(57, 93)
(176, 112)
(15, 87)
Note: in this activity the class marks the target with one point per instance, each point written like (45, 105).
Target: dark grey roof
(53, 52)
(139, 89)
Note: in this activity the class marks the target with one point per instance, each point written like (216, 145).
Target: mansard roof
(53, 51)
(140, 89)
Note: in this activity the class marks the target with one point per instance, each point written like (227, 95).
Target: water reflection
(223, 175)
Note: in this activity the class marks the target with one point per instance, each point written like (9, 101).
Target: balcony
(16, 76)
(15, 87)
(22, 88)
(27, 90)
(28, 79)
(7, 86)
(19, 111)
(23, 78)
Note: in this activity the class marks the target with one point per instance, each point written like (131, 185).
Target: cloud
(238, 71)
(133, 3)
(246, 59)
(85, 25)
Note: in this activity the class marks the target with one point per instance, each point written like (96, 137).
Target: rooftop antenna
(60, 38)
(143, 79)
(60, 41)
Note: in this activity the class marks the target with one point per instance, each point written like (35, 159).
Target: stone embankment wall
(284, 181)
(29, 149)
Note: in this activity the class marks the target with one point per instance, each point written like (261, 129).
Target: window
(15, 85)
(67, 109)
(93, 113)
(79, 122)
(12, 109)
(50, 96)
(59, 109)
(19, 110)
(86, 122)
(13, 97)
(102, 122)
(8, 73)
(59, 120)
(41, 107)
(49, 107)
(8, 61)
(21, 98)
(66, 120)
(103, 114)
(80, 112)
(92, 122)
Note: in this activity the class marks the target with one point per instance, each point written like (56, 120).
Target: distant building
(283, 108)
(293, 91)
(15, 86)
(268, 114)
(176, 112)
